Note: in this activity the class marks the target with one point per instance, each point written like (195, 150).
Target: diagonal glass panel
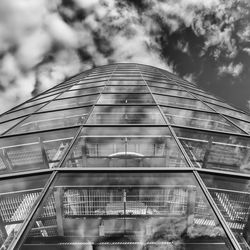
(70, 102)
(17, 197)
(126, 211)
(232, 196)
(216, 151)
(174, 92)
(125, 115)
(198, 119)
(126, 98)
(7, 125)
(245, 125)
(34, 151)
(81, 92)
(180, 102)
(125, 147)
(230, 112)
(20, 113)
(52, 120)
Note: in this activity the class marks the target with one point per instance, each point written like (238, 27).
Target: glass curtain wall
(125, 156)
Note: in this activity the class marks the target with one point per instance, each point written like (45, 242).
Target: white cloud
(232, 69)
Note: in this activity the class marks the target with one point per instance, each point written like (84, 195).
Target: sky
(43, 42)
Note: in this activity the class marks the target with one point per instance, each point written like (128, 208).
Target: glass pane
(17, 197)
(21, 112)
(97, 147)
(242, 124)
(125, 98)
(126, 211)
(51, 120)
(197, 119)
(230, 112)
(126, 82)
(81, 91)
(38, 101)
(216, 151)
(232, 196)
(180, 102)
(7, 125)
(88, 85)
(70, 102)
(125, 115)
(34, 151)
(163, 85)
(179, 93)
(126, 89)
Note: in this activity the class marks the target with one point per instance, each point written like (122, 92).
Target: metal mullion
(170, 129)
(81, 127)
(28, 222)
(217, 212)
(197, 98)
(47, 103)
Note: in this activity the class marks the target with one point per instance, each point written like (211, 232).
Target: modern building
(125, 156)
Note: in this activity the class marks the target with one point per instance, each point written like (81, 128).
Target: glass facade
(124, 156)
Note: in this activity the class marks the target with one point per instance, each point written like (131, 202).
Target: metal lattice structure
(125, 156)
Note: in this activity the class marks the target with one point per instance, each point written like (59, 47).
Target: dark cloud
(42, 42)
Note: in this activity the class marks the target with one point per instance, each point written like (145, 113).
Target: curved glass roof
(125, 156)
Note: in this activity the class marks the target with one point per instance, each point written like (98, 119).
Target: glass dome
(125, 156)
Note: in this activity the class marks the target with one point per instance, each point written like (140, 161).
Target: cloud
(47, 41)
(231, 69)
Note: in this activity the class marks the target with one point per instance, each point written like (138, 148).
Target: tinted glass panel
(7, 125)
(216, 151)
(125, 115)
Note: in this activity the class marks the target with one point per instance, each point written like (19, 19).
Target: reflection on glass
(126, 82)
(34, 151)
(126, 211)
(196, 119)
(106, 147)
(74, 91)
(7, 125)
(179, 93)
(126, 89)
(216, 151)
(50, 120)
(125, 115)
(230, 112)
(232, 196)
(180, 102)
(125, 98)
(17, 197)
(245, 125)
(169, 85)
(70, 102)
(18, 113)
